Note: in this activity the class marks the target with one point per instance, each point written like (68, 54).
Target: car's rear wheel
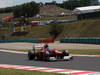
(31, 56)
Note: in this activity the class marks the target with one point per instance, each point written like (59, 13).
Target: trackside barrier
(81, 40)
(41, 40)
(23, 40)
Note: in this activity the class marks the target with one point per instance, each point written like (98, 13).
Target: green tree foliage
(71, 4)
(85, 2)
(6, 10)
(26, 10)
(17, 11)
(51, 3)
(55, 30)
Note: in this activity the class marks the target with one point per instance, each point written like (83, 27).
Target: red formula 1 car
(51, 55)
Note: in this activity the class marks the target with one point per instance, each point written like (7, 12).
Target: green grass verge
(84, 28)
(53, 18)
(23, 72)
(82, 51)
(5, 14)
(88, 52)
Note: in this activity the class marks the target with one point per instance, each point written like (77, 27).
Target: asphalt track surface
(79, 63)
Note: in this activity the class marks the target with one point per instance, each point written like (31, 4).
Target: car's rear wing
(38, 47)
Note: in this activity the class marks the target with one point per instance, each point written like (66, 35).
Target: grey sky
(6, 3)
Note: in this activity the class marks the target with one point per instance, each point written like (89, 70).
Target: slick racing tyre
(31, 56)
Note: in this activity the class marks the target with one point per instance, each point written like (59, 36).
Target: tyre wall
(40, 40)
(81, 40)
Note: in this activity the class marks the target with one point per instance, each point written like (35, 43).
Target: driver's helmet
(46, 45)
